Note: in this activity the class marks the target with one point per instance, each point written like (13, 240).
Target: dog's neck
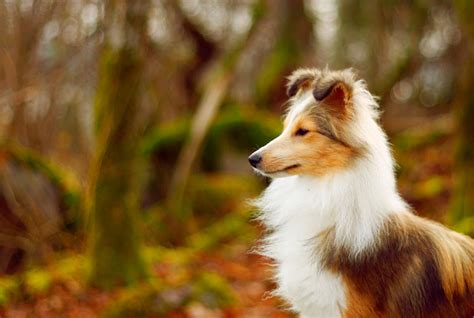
(360, 200)
(354, 202)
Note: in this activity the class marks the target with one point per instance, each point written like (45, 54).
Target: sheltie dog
(344, 242)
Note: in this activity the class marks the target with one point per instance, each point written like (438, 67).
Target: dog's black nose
(255, 159)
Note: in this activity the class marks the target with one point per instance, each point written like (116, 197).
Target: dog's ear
(335, 96)
(297, 81)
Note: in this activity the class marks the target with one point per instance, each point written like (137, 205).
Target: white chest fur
(296, 209)
(290, 211)
(311, 290)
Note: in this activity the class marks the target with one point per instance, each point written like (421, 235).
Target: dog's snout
(255, 159)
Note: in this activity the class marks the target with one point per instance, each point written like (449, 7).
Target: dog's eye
(301, 132)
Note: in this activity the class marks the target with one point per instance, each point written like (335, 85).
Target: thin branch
(16, 241)
(206, 111)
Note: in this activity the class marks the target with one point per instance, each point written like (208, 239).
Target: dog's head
(317, 138)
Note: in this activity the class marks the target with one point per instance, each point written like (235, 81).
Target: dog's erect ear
(297, 82)
(336, 96)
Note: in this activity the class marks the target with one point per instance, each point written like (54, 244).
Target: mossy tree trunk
(463, 208)
(115, 170)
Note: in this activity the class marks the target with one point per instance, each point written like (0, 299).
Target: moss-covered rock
(67, 183)
(36, 281)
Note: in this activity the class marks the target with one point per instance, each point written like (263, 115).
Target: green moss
(178, 256)
(230, 227)
(212, 290)
(154, 299)
(67, 183)
(141, 301)
(9, 288)
(37, 281)
(411, 140)
(165, 136)
(71, 267)
(429, 188)
(216, 194)
(244, 128)
(466, 226)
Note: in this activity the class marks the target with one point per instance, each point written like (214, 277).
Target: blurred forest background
(125, 128)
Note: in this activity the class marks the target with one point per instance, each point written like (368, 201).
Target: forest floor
(247, 274)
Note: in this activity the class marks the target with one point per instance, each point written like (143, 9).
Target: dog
(344, 243)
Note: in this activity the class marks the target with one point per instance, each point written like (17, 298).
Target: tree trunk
(115, 169)
(463, 207)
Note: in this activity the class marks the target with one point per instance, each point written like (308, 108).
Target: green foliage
(9, 288)
(166, 135)
(155, 299)
(231, 226)
(177, 257)
(184, 285)
(429, 188)
(219, 206)
(465, 225)
(211, 290)
(412, 140)
(245, 126)
(36, 281)
(140, 301)
(211, 195)
(234, 130)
